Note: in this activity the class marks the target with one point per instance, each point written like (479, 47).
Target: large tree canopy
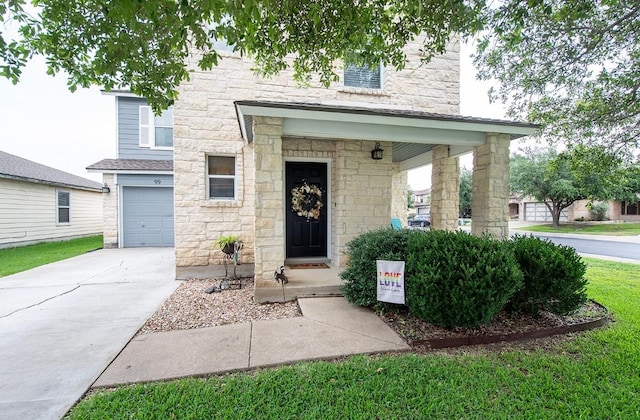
(558, 180)
(571, 65)
(145, 45)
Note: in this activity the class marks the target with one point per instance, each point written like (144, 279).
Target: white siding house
(39, 203)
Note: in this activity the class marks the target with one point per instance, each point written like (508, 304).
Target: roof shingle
(108, 165)
(15, 167)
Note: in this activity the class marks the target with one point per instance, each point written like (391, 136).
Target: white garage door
(538, 212)
(147, 216)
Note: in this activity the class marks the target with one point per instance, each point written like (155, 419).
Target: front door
(306, 209)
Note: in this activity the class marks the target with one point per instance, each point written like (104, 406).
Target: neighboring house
(528, 209)
(298, 172)
(39, 203)
(422, 201)
(138, 210)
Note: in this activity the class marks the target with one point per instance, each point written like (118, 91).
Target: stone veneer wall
(490, 201)
(205, 123)
(110, 212)
(399, 188)
(445, 189)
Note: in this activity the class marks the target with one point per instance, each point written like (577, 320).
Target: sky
(42, 121)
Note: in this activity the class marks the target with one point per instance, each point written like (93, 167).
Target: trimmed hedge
(360, 275)
(553, 277)
(454, 279)
(459, 280)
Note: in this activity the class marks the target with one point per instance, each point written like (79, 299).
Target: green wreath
(306, 201)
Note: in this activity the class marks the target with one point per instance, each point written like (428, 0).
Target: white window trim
(148, 141)
(58, 207)
(234, 177)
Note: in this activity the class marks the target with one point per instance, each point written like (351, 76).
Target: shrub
(553, 277)
(455, 279)
(360, 275)
(598, 211)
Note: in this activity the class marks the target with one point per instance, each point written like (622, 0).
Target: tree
(150, 46)
(465, 192)
(410, 198)
(558, 180)
(571, 65)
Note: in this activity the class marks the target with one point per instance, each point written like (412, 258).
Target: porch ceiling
(412, 133)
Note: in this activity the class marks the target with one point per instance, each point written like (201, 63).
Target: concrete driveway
(62, 324)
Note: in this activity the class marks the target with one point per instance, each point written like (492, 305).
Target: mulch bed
(523, 329)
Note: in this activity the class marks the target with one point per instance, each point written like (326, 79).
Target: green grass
(612, 229)
(15, 260)
(595, 376)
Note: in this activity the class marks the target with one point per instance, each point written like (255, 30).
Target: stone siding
(110, 212)
(490, 201)
(445, 189)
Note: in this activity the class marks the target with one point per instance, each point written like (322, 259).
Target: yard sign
(390, 281)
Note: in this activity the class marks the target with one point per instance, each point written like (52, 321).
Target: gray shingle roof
(15, 167)
(109, 165)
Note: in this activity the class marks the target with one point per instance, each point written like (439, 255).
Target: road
(598, 247)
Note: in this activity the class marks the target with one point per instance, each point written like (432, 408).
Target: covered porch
(362, 190)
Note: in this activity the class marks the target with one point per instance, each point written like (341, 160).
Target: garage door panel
(147, 216)
(539, 212)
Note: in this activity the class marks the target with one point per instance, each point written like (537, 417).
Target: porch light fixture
(376, 154)
(106, 189)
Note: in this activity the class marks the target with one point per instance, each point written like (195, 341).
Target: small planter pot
(228, 249)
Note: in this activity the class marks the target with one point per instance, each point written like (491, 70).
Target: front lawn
(611, 229)
(595, 376)
(14, 260)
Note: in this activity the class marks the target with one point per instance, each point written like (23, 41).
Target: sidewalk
(328, 328)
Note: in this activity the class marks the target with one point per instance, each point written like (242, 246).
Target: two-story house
(298, 172)
(138, 210)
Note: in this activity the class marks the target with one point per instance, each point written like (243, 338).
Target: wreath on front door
(306, 201)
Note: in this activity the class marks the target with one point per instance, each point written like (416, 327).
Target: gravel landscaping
(190, 307)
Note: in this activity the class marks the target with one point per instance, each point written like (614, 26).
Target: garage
(538, 212)
(147, 216)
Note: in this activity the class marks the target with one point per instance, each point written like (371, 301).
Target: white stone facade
(364, 193)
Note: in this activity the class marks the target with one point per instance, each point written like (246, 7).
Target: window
(630, 209)
(63, 207)
(221, 178)
(156, 131)
(362, 76)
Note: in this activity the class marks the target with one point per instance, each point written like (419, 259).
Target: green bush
(360, 275)
(598, 211)
(456, 279)
(553, 277)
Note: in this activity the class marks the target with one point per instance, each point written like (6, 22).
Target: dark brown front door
(306, 209)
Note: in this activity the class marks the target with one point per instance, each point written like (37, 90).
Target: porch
(355, 187)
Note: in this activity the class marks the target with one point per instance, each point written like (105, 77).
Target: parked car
(421, 220)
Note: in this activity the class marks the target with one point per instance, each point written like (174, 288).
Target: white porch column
(490, 201)
(269, 199)
(445, 189)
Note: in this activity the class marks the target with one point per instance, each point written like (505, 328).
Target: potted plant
(227, 243)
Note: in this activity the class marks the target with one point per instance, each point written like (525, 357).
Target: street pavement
(61, 324)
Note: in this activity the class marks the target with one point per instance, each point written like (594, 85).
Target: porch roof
(412, 133)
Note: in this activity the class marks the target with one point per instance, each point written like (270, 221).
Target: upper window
(156, 131)
(630, 209)
(63, 207)
(221, 177)
(362, 76)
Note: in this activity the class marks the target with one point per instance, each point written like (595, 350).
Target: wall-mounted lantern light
(376, 154)
(106, 189)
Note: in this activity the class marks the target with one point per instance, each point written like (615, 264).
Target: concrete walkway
(329, 327)
(61, 324)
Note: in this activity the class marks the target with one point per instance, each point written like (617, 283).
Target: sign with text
(390, 281)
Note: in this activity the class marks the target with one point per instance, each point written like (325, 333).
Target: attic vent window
(362, 76)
